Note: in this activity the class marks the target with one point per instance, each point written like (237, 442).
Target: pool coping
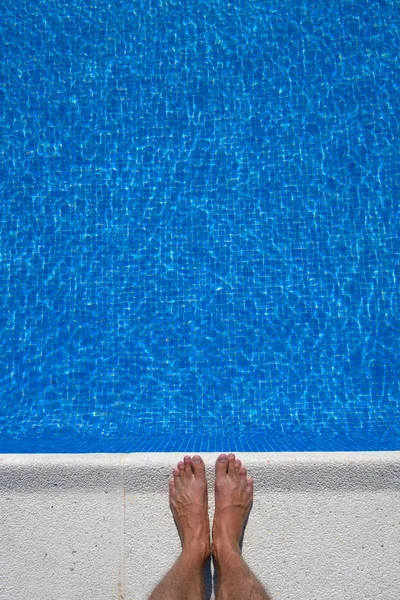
(323, 525)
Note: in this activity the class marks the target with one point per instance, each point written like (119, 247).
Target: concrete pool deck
(323, 526)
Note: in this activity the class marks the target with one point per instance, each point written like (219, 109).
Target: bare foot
(189, 505)
(233, 498)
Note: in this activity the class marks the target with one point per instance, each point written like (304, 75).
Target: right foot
(233, 498)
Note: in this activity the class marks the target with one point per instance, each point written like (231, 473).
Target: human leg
(184, 581)
(188, 502)
(233, 499)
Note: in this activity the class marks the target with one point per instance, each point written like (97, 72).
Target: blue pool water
(200, 225)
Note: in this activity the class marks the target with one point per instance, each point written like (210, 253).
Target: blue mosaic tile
(199, 225)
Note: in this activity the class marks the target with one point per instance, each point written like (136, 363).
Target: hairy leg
(184, 581)
(233, 499)
(236, 581)
(188, 502)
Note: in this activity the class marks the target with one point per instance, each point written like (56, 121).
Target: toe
(221, 464)
(188, 466)
(175, 474)
(181, 468)
(231, 464)
(198, 466)
(238, 464)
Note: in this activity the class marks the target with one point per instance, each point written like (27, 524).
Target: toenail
(223, 459)
(196, 459)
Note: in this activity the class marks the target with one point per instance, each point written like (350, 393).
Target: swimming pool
(199, 226)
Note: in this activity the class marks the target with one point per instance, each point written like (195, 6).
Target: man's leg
(233, 499)
(189, 505)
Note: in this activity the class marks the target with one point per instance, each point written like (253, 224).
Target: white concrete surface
(98, 526)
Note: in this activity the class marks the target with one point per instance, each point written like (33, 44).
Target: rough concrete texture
(98, 526)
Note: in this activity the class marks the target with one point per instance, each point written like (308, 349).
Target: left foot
(188, 502)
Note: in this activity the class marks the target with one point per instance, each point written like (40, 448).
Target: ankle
(196, 552)
(225, 549)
